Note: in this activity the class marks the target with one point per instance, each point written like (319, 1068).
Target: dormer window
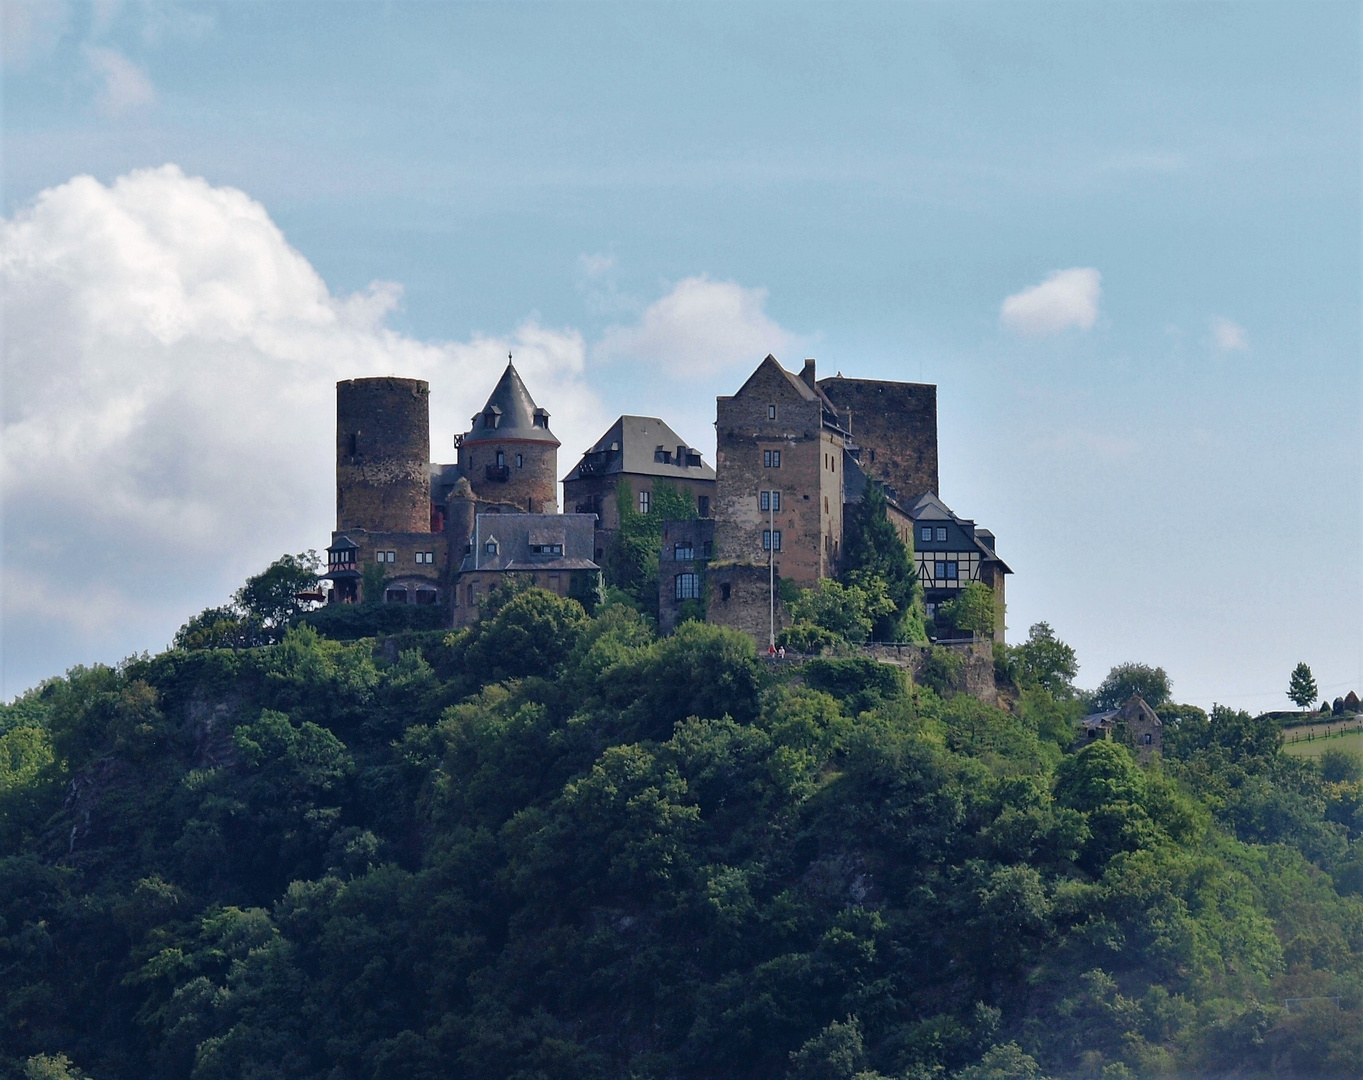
(490, 548)
(771, 412)
(492, 417)
(541, 419)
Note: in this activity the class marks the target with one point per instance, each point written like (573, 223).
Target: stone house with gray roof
(636, 452)
(551, 551)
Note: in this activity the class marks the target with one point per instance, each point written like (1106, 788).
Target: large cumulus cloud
(168, 411)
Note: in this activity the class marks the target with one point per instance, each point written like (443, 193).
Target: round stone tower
(509, 454)
(383, 452)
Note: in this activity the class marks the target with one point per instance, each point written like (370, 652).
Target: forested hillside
(555, 847)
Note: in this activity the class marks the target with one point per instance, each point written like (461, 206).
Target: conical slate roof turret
(510, 413)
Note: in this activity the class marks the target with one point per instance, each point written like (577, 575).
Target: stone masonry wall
(977, 678)
(895, 424)
(810, 518)
(739, 597)
(383, 451)
(532, 486)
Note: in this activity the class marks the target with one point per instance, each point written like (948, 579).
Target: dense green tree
(971, 609)
(557, 846)
(1301, 688)
(873, 549)
(1043, 660)
(271, 597)
(1124, 680)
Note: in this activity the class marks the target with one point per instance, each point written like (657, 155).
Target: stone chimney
(807, 374)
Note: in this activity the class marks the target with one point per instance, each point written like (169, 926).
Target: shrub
(942, 669)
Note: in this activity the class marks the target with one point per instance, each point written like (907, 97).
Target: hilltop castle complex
(793, 452)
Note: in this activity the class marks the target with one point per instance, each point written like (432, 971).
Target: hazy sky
(1122, 239)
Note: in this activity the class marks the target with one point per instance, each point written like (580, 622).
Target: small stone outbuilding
(1135, 724)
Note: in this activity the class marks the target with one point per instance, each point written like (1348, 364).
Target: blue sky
(654, 196)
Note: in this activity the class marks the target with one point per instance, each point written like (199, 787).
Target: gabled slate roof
(631, 445)
(516, 533)
(929, 507)
(510, 413)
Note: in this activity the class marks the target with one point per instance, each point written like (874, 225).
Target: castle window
(546, 549)
(771, 412)
(501, 459)
(707, 549)
(426, 557)
(686, 587)
(490, 547)
(645, 501)
(1149, 739)
(683, 552)
(771, 540)
(724, 592)
(941, 533)
(771, 459)
(771, 500)
(703, 505)
(395, 596)
(427, 596)
(926, 533)
(520, 461)
(353, 444)
(472, 594)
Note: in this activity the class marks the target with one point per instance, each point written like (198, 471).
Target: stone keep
(383, 451)
(895, 426)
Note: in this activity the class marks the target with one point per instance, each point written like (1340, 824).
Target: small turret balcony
(499, 474)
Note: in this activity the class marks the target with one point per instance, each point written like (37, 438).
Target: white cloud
(30, 29)
(125, 86)
(595, 265)
(700, 327)
(169, 407)
(1068, 298)
(1229, 336)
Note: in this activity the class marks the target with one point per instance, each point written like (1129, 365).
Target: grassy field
(1352, 742)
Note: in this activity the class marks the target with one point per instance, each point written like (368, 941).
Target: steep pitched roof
(510, 413)
(631, 445)
(831, 417)
(516, 534)
(929, 507)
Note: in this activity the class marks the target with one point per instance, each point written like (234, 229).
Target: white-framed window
(769, 500)
(941, 533)
(946, 570)
(501, 459)
(771, 540)
(684, 551)
(771, 412)
(771, 459)
(520, 461)
(925, 534)
(490, 548)
(686, 587)
(385, 556)
(425, 558)
(546, 549)
(645, 501)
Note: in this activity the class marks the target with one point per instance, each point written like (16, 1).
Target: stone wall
(696, 536)
(738, 596)
(531, 486)
(383, 451)
(977, 677)
(895, 424)
(808, 478)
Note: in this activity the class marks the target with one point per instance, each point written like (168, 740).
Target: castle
(793, 452)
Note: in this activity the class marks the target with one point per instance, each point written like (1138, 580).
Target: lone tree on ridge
(1302, 687)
